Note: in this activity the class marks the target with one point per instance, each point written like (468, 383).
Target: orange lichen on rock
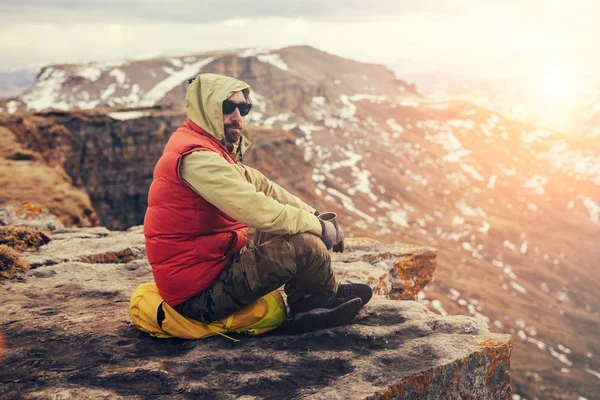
(399, 271)
(499, 363)
(111, 257)
(28, 214)
(489, 342)
(411, 274)
(380, 285)
(29, 210)
(455, 379)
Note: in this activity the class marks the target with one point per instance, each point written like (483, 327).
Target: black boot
(322, 312)
(355, 289)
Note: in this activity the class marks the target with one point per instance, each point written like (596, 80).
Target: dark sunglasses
(229, 107)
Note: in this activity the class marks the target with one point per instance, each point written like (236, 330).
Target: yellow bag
(265, 314)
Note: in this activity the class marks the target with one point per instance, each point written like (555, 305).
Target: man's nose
(236, 114)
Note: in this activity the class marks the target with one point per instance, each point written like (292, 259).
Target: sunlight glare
(555, 93)
(556, 83)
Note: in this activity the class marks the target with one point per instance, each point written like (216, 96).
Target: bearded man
(220, 235)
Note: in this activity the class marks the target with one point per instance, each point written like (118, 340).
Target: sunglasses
(229, 107)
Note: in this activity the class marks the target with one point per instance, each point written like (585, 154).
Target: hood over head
(204, 101)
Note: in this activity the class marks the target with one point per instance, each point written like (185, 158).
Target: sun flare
(556, 83)
(554, 94)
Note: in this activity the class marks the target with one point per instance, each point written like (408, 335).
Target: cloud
(208, 11)
(469, 37)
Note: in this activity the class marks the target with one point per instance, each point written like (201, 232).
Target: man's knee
(307, 245)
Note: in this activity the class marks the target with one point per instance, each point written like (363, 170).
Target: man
(201, 204)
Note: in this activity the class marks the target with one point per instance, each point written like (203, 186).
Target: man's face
(234, 122)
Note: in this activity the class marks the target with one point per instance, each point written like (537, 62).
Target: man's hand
(329, 234)
(332, 234)
(339, 247)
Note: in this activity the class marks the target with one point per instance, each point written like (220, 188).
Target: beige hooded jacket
(242, 192)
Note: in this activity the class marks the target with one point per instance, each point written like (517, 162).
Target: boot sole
(324, 318)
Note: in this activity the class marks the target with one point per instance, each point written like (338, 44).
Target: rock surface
(68, 335)
(398, 271)
(28, 214)
(36, 188)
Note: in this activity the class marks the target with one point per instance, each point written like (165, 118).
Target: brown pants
(264, 264)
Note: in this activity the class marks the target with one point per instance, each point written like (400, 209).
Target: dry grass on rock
(22, 238)
(11, 262)
(27, 176)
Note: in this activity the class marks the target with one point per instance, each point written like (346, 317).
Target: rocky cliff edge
(68, 335)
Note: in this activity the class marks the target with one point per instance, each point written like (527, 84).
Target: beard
(231, 136)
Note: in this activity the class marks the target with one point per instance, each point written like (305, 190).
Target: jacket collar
(235, 150)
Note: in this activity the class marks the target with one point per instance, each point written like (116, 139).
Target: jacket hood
(204, 99)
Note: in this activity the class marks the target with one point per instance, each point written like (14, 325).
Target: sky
(486, 38)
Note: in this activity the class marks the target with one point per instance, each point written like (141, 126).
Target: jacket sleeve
(224, 186)
(273, 190)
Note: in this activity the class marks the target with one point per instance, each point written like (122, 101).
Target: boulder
(399, 271)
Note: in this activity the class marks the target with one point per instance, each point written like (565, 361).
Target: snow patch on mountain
(580, 163)
(253, 52)
(536, 183)
(593, 209)
(397, 128)
(368, 97)
(468, 211)
(125, 115)
(492, 182)
(109, 91)
(12, 106)
(45, 92)
(349, 109)
(592, 372)
(131, 99)
(175, 78)
(270, 122)
(349, 205)
(274, 60)
(177, 62)
(535, 136)
(119, 75)
(90, 73)
(265, 56)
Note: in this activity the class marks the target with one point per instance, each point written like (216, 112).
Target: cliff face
(68, 335)
(112, 160)
(33, 170)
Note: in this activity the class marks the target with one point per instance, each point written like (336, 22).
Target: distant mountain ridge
(514, 210)
(162, 81)
(573, 112)
(16, 82)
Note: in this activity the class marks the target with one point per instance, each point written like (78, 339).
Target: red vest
(188, 240)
